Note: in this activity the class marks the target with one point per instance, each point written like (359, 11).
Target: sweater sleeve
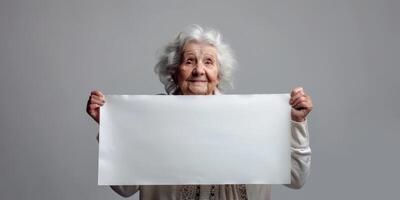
(300, 154)
(123, 190)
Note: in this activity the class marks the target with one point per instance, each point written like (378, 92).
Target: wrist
(298, 119)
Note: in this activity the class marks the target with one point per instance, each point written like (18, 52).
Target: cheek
(213, 76)
(183, 74)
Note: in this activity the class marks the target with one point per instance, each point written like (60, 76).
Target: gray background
(53, 53)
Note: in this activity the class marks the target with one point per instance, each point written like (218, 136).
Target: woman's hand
(96, 100)
(301, 104)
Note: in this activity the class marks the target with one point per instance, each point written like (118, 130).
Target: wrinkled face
(198, 72)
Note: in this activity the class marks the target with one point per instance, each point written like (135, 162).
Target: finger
(92, 107)
(299, 100)
(93, 113)
(98, 98)
(296, 89)
(97, 93)
(302, 105)
(96, 101)
(296, 96)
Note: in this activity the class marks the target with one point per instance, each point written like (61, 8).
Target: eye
(189, 61)
(209, 62)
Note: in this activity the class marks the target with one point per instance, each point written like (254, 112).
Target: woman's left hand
(301, 104)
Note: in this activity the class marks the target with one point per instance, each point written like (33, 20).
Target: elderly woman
(198, 62)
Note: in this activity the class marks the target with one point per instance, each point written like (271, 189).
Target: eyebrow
(191, 53)
(188, 52)
(211, 55)
(188, 56)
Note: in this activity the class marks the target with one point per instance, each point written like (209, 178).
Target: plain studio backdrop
(54, 52)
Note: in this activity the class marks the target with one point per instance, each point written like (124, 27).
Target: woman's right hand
(96, 100)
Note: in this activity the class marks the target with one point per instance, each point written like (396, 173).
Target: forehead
(199, 48)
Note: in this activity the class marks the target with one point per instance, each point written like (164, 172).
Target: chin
(198, 91)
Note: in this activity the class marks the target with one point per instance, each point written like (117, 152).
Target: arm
(96, 100)
(300, 147)
(300, 154)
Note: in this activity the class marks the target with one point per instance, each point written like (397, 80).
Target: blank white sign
(174, 140)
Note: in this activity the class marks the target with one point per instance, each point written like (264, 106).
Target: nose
(198, 70)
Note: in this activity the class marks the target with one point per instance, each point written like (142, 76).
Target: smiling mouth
(198, 81)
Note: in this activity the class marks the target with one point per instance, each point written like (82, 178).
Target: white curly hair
(171, 55)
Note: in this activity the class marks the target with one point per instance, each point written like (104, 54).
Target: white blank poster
(174, 140)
